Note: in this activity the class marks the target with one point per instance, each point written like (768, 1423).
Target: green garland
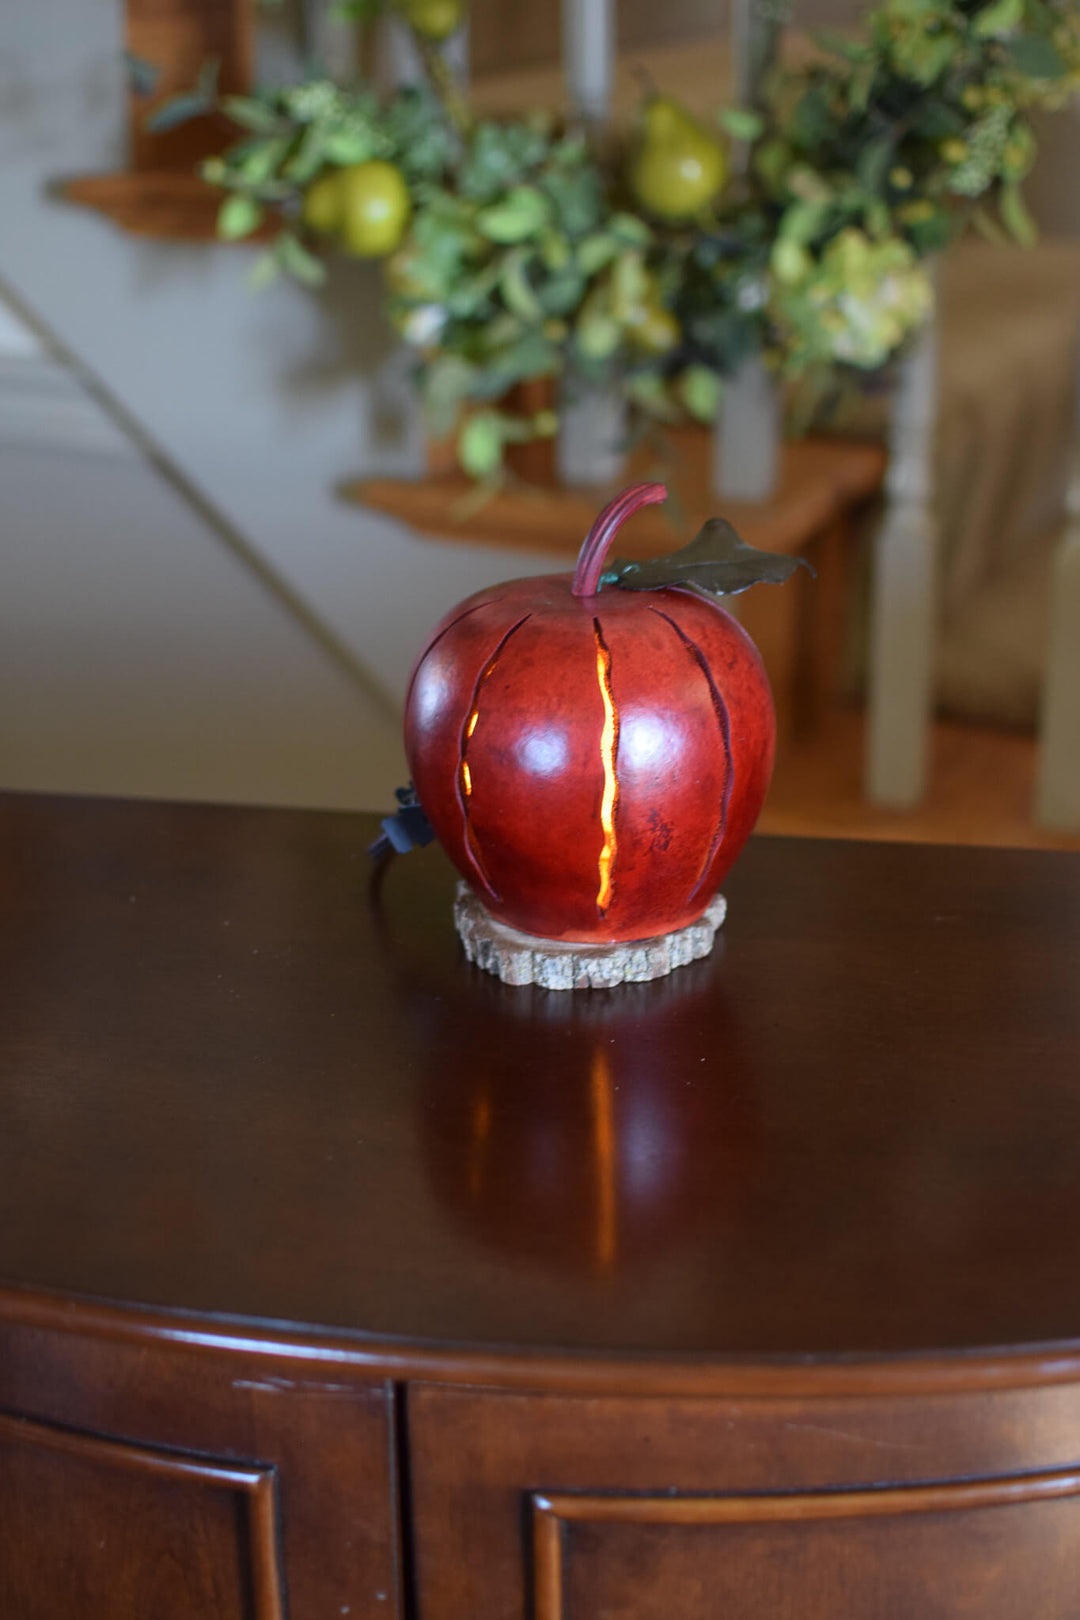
(516, 254)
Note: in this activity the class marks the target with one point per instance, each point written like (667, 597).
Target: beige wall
(261, 404)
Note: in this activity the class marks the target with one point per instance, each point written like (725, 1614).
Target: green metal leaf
(715, 563)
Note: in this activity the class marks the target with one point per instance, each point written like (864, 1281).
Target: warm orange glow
(609, 802)
(481, 1136)
(466, 779)
(602, 1091)
(473, 718)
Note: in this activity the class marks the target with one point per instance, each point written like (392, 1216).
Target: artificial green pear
(678, 165)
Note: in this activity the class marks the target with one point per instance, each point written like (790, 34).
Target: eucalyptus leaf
(524, 213)
(715, 563)
(742, 123)
(206, 84)
(596, 251)
(630, 285)
(294, 258)
(928, 60)
(562, 294)
(143, 76)
(811, 122)
(308, 158)
(251, 114)
(648, 391)
(596, 334)
(935, 120)
(699, 389)
(260, 160)
(803, 221)
(238, 216)
(1037, 56)
(999, 17)
(873, 162)
(344, 146)
(265, 270)
(838, 44)
(178, 110)
(480, 445)
(555, 251)
(447, 382)
(516, 288)
(1015, 215)
(577, 199)
(630, 230)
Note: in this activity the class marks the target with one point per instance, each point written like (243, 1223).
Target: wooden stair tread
(820, 480)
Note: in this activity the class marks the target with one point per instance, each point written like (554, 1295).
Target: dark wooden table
(336, 1269)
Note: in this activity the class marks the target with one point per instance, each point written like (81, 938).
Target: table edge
(371, 1357)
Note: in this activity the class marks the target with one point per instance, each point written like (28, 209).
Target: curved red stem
(593, 554)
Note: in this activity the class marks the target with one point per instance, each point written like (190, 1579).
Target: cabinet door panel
(938, 1552)
(898, 1506)
(105, 1531)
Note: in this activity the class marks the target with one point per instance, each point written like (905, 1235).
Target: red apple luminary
(593, 750)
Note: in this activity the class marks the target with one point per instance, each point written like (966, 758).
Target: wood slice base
(554, 964)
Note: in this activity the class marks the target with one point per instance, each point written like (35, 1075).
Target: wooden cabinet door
(106, 1530)
(144, 1479)
(899, 1508)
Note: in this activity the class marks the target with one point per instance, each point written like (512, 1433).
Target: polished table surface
(234, 1081)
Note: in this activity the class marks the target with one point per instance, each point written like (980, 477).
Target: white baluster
(592, 418)
(748, 436)
(904, 590)
(588, 51)
(592, 432)
(748, 433)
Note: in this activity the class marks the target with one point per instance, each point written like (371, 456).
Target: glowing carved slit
(723, 721)
(609, 743)
(464, 774)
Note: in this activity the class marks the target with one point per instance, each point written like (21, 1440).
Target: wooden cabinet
(341, 1280)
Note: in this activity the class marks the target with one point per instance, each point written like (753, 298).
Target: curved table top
(231, 1082)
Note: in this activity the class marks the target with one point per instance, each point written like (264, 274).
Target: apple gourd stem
(593, 554)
